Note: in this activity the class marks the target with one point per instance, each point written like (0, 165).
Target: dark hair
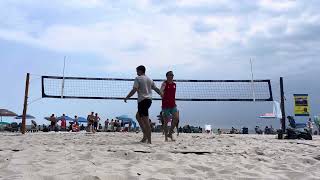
(141, 68)
(169, 73)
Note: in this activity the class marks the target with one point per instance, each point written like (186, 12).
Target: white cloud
(148, 36)
(278, 5)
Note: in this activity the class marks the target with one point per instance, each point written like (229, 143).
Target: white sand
(52, 156)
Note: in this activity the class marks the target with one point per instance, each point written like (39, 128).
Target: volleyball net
(187, 90)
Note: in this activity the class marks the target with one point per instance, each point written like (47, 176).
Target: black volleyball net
(187, 90)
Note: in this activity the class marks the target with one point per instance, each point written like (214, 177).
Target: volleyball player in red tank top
(169, 107)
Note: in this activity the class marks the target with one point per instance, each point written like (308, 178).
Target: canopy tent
(127, 120)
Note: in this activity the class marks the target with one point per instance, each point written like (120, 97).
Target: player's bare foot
(170, 136)
(144, 140)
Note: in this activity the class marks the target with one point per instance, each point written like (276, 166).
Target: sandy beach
(53, 156)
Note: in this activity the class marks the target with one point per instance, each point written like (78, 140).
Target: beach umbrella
(67, 118)
(4, 123)
(7, 113)
(28, 116)
(124, 117)
(126, 120)
(82, 120)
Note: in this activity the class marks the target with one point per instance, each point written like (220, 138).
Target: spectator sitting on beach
(75, 127)
(258, 130)
(271, 130)
(100, 127)
(45, 128)
(82, 127)
(180, 129)
(76, 120)
(219, 131)
(233, 131)
(266, 130)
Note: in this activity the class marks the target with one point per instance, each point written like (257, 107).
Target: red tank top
(169, 96)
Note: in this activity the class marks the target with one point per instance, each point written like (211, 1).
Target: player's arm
(163, 86)
(154, 87)
(133, 91)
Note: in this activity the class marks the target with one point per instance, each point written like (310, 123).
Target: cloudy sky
(197, 39)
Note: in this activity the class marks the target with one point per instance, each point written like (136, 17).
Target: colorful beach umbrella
(7, 113)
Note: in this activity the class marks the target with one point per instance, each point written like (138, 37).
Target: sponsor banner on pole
(301, 105)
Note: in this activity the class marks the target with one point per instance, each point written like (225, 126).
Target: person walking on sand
(143, 85)
(53, 123)
(169, 107)
(96, 122)
(90, 121)
(63, 123)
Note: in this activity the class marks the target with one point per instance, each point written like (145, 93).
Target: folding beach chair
(297, 130)
(295, 125)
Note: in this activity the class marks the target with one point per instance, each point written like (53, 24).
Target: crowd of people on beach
(93, 124)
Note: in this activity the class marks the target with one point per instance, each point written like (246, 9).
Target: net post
(283, 119)
(25, 105)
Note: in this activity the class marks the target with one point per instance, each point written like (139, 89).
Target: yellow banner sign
(301, 105)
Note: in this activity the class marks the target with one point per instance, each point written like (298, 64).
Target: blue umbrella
(28, 116)
(67, 118)
(82, 120)
(126, 120)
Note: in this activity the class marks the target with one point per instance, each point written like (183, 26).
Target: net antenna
(187, 90)
(252, 82)
(62, 86)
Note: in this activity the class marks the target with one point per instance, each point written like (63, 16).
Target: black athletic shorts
(95, 124)
(143, 107)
